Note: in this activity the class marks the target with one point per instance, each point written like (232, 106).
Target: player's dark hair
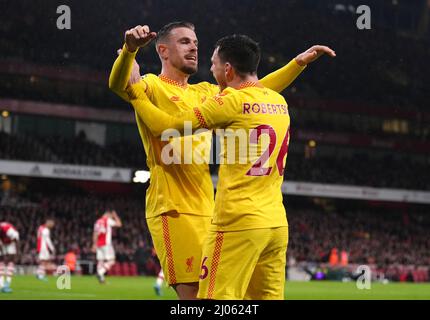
(241, 52)
(165, 31)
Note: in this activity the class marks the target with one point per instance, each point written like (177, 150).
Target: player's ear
(162, 51)
(229, 72)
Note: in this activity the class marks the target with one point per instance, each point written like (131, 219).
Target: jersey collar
(172, 82)
(247, 84)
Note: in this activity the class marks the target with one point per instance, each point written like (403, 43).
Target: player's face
(182, 50)
(218, 70)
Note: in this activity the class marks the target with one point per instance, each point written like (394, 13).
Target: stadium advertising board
(64, 171)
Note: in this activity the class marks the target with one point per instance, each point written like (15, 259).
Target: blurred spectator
(141, 257)
(377, 237)
(343, 258)
(70, 260)
(358, 168)
(381, 65)
(334, 257)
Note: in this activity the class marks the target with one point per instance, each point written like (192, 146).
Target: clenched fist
(138, 37)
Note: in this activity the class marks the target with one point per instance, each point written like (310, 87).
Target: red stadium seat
(115, 270)
(133, 269)
(125, 268)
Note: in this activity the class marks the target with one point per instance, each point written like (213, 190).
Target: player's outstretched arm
(283, 77)
(125, 69)
(314, 53)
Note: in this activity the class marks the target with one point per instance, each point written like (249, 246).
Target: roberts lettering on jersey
(264, 108)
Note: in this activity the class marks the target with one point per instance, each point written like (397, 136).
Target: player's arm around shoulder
(154, 118)
(185, 123)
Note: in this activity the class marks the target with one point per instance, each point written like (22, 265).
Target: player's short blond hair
(165, 31)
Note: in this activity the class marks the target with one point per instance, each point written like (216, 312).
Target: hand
(314, 53)
(138, 37)
(135, 72)
(94, 248)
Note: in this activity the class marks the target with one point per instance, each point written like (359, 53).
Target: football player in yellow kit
(180, 197)
(244, 254)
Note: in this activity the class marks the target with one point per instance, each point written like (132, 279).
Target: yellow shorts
(247, 264)
(178, 241)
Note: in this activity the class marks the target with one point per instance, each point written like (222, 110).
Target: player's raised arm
(116, 218)
(283, 77)
(125, 67)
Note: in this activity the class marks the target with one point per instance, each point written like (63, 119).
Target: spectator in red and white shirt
(8, 250)
(102, 242)
(45, 248)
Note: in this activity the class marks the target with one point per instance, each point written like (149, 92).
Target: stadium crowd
(370, 62)
(374, 68)
(360, 169)
(74, 216)
(368, 236)
(391, 240)
(58, 149)
(357, 169)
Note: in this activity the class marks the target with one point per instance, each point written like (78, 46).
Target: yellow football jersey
(250, 177)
